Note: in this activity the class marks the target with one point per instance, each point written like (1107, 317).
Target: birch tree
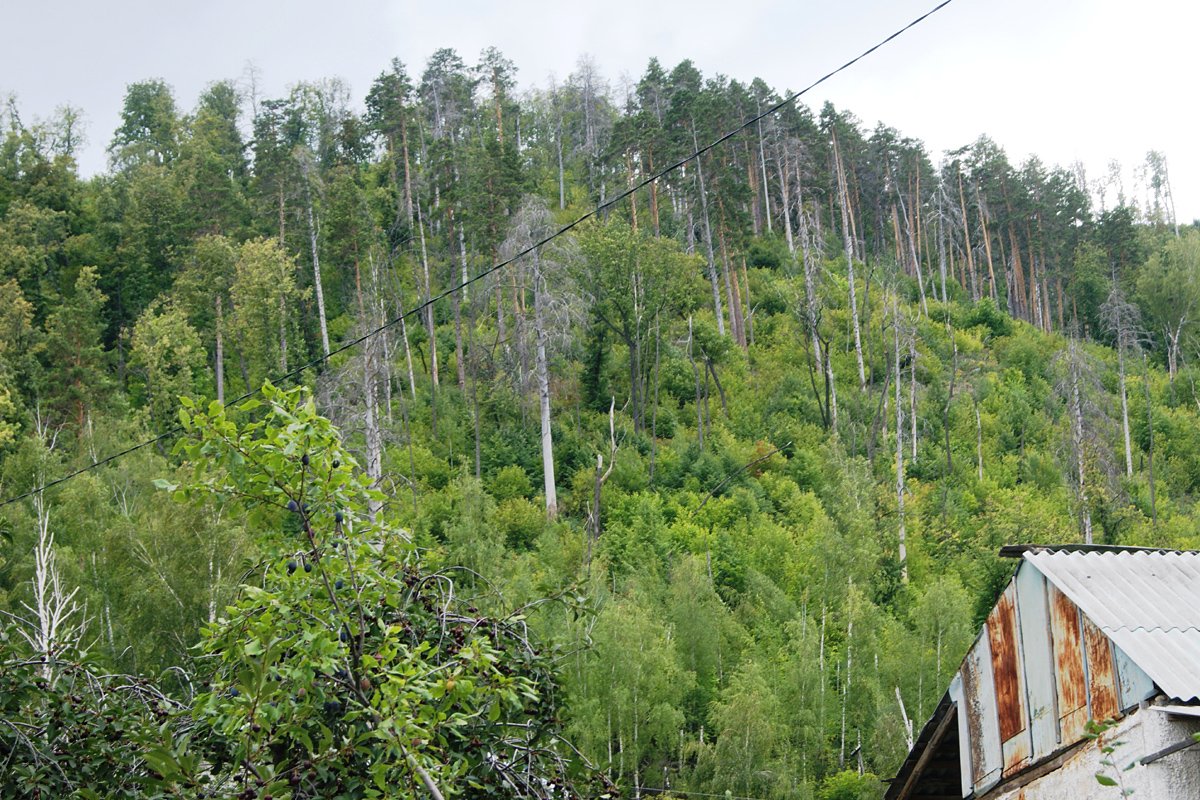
(1168, 293)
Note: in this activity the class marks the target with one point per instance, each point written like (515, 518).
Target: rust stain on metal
(1007, 677)
(1006, 669)
(1071, 680)
(1102, 682)
(974, 716)
(1016, 755)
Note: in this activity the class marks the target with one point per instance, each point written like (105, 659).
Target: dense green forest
(722, 472)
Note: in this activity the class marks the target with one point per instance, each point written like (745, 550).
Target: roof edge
(1019, 550)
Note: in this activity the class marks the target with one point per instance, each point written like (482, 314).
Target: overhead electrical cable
(502, 264)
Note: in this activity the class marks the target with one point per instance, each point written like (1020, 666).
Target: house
(1080, 633)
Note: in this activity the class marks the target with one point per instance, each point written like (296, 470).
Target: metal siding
(964, 735)
(1033, 617)
(1006, 673)
(983, 726)
(1133, 685)
(1147, 603)
(1071, 681)
(1002, 637)
(1102, 684)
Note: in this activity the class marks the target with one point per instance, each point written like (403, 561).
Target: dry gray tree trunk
(812, 314)
(543, 381)
(1075, 369)
(316, 258)
(844, 201)
(428, 310)
(712, 263)
(902, 534)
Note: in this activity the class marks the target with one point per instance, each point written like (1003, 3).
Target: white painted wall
(1145, 731)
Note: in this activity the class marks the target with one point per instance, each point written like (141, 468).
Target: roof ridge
(1149, 628)
(1019, 550)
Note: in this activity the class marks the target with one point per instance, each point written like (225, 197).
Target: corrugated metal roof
(1148, 603)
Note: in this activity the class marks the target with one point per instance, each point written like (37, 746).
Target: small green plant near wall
(1109, 774)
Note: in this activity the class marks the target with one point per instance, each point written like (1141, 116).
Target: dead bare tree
(1123, 321)
(595, 526)
(844, 201)
(555, 305)
(1088, 425)
(54, 624)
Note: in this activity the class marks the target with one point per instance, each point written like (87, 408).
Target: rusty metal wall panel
(964, 735)
(1145, 602)
(1033, 618)
(979, 706)
(1133, 685)
(1004, 641)
(1102, 684)
(1006, 667)
(1071, 684)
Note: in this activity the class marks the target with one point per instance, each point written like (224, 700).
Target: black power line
(500, 265)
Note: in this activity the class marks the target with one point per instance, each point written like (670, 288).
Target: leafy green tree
(147, 214)
(212, 164)
(346, 670)
(748, 737)
(634, 281)
(849, 786)
(265, 297)
(166, 353)
(1168, 293)
(626, 696)
(150, 126)
(31, 239)
(389, 112)
(203, 291)
(76, 365)
(17, 342)
(73, 737)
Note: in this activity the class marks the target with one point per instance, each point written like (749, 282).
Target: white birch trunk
(316, 261)
(542, 369)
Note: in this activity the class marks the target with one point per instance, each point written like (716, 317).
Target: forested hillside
(740, 450)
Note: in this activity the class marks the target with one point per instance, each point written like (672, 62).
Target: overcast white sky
(1064, 79)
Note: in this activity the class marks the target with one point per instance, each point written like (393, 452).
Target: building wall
(1039, 670)
(1146, 731)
